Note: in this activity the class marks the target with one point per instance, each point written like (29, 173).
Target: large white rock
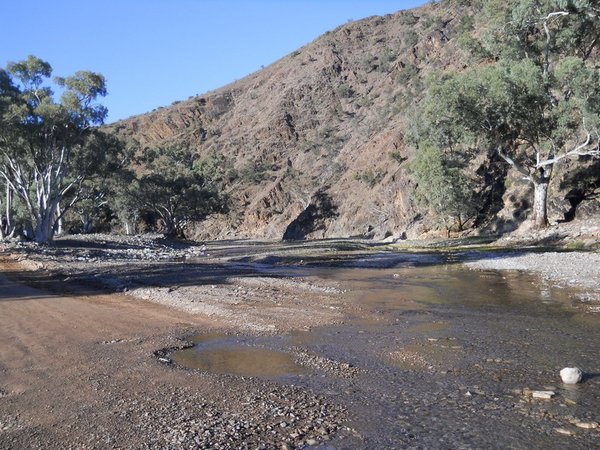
(571, 375)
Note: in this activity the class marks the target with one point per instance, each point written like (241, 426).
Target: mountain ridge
(324, 127)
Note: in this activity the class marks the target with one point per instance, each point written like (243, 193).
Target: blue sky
(153, 52)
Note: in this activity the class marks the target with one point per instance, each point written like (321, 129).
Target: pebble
(587, 425)
(571, 375)
(564, 431)
(543, 394)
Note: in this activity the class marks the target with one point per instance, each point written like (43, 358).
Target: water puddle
(221, 354)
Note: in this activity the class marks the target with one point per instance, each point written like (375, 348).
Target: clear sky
(153, 52)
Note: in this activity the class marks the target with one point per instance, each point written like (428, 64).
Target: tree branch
(577, 151)
(512, 162)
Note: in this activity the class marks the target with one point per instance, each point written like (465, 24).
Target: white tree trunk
(45, 222)
(59, 221)
(540, 204)
(6, 225)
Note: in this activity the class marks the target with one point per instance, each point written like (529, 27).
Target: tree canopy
(443, 188)
(533, 95)
(178, 187)
(49, 148)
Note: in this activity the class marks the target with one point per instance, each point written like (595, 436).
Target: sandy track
(78, 371)
(54, 356)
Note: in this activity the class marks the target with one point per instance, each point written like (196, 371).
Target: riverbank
(262, 287)
(213, 281)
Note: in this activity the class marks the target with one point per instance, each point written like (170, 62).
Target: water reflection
(221, 354)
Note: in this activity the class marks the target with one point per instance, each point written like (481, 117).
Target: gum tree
(178, 187)
(49, 147)
(535, 97)
(443, 189)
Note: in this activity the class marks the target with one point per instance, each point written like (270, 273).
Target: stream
(445, 359)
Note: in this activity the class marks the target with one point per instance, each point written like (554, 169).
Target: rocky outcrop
(312, 219)
(330, 117)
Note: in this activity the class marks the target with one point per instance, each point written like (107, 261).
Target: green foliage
(386, 59)
(177, 188)
(344, 91)
(49, 149)
(397, 156)
(576, 245)
(215, 169)
(407, 74)
(534, 98)
(254, 172)
(410, 39)
(369, 177)
(408, 18)
(442, 189)
(529, 29)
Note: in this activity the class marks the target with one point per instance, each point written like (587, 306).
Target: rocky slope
(317, 139)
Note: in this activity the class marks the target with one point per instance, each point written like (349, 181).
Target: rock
(543, 394)
(563, 431)
(571, 375)
(587, 425)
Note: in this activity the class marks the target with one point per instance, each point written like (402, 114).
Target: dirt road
(61, 356)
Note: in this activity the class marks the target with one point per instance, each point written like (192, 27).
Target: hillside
(316, 140)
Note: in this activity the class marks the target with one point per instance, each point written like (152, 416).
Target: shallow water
(444, 356)
(223, 354)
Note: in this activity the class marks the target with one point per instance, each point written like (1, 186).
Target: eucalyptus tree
(534, 98)
(443, 188)
(49, 148)
(178, 187)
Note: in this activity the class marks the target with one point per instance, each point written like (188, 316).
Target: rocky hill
(316, 140)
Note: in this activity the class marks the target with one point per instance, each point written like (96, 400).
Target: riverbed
(343, 344)
(441, 356)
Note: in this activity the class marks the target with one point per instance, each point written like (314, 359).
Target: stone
(587, 425)
(571, 375)
(543, 394)
(563, 431)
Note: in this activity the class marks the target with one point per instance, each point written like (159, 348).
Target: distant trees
(49, 149)
(443, 188)
(54, 160)
(534, 95)
(177, 186)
